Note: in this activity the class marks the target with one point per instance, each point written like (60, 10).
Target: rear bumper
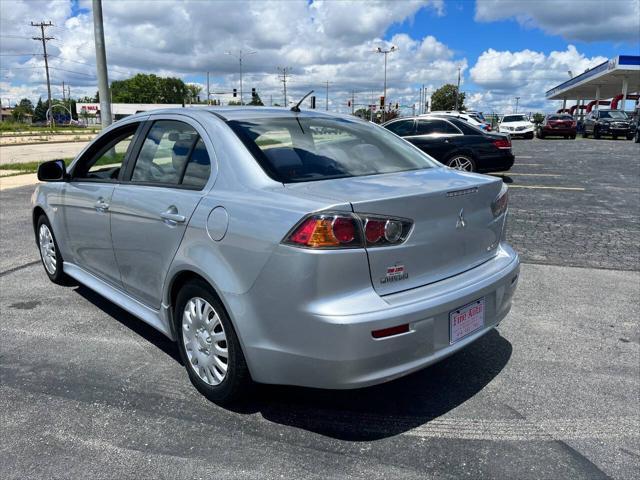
(550, 132)
(329, 344)
(499, 163)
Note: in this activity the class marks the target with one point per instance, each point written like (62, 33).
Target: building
(611, 83)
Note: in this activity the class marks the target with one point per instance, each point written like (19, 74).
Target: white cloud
(321, 40)
(584, 20)
(527, 74)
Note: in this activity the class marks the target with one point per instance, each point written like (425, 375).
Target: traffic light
(235, 92)
(397, 106)
(313, 102)
(381, 101)
(253, 93)
(348, 103)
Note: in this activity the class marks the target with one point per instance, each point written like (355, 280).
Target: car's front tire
(596, 133)
(49, 251)
(637, 137)
(529, 136)
(209, 346)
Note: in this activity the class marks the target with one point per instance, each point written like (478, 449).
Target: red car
(557, 125)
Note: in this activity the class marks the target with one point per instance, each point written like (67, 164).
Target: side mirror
(52, 171)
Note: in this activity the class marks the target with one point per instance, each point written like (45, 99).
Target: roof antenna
(296, 107)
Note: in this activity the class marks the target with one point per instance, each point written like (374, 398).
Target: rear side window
(401, 128)
(466, 127)
(172, 154)
(302, 149)
(428, 127)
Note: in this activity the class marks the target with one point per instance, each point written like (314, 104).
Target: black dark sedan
(456, 143)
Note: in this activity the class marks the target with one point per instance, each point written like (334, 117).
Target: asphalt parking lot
(88, 391)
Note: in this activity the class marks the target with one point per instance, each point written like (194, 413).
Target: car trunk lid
(453, 226)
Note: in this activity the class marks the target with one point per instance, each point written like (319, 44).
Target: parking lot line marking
(524, 156)
(527, 164)
(544, 187)
(508, 174)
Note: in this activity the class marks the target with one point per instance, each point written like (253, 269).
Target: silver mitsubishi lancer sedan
(278, 246)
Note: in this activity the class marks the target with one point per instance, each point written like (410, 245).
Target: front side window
(302, 149)
(103, 161)
(172, 154)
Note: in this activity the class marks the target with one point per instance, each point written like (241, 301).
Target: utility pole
(353, 102)
(208, 91)
(63, 99)
(517, 100)
(285, 71)
(101, 65)
(457, 90)
(385, 52)
(326, 101)
(239, 57)
(43, 38)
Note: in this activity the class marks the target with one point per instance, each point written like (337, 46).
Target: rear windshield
(305, 149)
(560, 117)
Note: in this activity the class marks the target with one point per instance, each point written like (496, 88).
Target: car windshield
(613, 114)
(514, 118)
(302, 149)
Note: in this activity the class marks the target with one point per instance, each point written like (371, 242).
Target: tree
(144, 88)
(538, 118)
(40, 112)
(22, 110)
(193, 92)
(444, 98)
(256, 100)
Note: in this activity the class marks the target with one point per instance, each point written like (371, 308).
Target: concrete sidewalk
(40, 152)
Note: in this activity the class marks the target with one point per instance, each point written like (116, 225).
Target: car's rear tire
(637, 137)
(49, 252)
(585, 134)
(462, 162)
(596, 133)
(615, 137)
(209, 346)
(573, 137)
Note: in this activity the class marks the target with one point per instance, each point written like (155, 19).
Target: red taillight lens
(499, 206)
(488, 128)
(502, 143)
(374, 231)
(345, 230)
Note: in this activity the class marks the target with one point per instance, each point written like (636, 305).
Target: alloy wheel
(461, 163)
(47, 249)
(205, 341)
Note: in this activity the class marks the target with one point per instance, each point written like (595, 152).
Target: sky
(503, 48)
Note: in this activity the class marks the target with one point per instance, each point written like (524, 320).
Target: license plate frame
(472, 320)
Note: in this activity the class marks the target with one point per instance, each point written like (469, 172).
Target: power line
(44, 39)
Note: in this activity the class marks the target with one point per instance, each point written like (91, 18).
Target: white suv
(516, 125)
(463, 116)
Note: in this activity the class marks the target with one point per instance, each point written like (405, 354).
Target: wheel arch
(37, 212)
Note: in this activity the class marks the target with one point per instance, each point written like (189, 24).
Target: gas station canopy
(620, 75)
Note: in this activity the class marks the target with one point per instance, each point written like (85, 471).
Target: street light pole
(384, 94)
(517, 100)
(239, 57)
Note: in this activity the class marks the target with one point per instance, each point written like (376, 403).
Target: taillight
(499, 205)
(502, 143)
(348, 230)
(488, 128)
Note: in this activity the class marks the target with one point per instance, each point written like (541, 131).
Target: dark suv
(614, 123)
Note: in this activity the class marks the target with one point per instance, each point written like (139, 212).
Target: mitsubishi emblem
(461, 223)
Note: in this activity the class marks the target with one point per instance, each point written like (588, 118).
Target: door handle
(171, 216)
(101, 205)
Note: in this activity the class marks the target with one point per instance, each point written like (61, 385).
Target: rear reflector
(389, 332)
